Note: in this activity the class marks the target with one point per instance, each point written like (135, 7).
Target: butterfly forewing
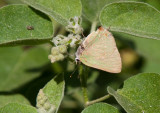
(101, 52)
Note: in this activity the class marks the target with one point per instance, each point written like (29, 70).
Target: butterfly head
(79, 52)
(77, 60)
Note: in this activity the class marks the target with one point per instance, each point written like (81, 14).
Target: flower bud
(74, 39)
(52, 58)
(59, 57)
(55, 51)
(74, 25)
(47, 106)
(59, 40)
(62, 49)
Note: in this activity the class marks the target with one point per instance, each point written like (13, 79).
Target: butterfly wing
(101, 52)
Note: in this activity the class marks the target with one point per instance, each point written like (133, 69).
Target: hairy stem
(83, 71)
(98, 100)
(84, 89)
(93, 27)
(83, 79)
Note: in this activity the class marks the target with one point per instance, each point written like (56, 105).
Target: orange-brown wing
(101, 52)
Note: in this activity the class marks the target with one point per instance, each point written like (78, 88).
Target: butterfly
(99, 51)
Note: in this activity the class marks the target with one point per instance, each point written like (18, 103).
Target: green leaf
(13, 1)
(134, 18)
(60, 10)
(20, 24)
(140, 94)
(50, 97)
(17, 108)
(155, 3)
(100, 108)
(92, 8)
(18, 66)
(5, 99)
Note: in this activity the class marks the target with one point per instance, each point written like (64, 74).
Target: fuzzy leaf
(134, 18)
(5, 99)
(60, 10)
(18, 67)
(92, 8)
(100, 108)
(155, 3)
(52, 94)
(17, 108)
(20, 24)
(140, 94)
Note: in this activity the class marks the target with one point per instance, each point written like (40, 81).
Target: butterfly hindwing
(101, 52)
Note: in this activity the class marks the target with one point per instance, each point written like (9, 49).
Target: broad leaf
(13, 1)
(50, 97)
(100, 108)
(92, 8)
(140, 94)
(20, 24)
(18, 67)
(155, 3)
(134, 18)
(60, 10)
(5, 99)
(17, 108)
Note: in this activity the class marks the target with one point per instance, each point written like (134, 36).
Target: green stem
(93, 27)
(84, 89)
(98, 100)
(83, 71)
(83, 79)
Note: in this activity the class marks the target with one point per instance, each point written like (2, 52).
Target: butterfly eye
(77, 59)
(82, 47)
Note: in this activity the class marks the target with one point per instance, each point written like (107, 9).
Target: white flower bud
(62, 49)
(74, 40)
(47, 106)
(43, 105)
(55, 51)
(59, 40)
(74, 25)
(59, 57)
(52, 58)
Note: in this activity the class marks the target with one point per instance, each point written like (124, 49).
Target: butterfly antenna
(74, 71)
(83, 34)
(71, 60)
(108, 28)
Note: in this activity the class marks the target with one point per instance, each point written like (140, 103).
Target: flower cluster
(57, 53)
(74, 25)
(43, 104)
(62, 42)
